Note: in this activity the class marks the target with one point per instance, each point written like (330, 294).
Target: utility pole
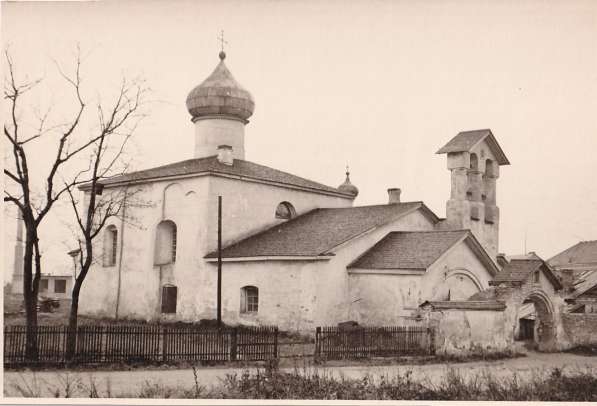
(219, 306)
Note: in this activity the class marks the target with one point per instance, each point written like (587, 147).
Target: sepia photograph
(347, 202)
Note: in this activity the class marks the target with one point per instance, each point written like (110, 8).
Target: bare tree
(100, 205)
(20, 188)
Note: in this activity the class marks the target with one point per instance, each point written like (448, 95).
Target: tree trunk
(71, 340)
(31, 349)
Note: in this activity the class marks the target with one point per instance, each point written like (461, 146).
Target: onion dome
(220, 94)
(348, 187)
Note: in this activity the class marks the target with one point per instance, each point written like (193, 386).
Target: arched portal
(536, 321)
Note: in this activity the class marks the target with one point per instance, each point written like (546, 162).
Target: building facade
(297, 253)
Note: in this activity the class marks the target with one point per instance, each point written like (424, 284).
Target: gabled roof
(417, 250)
(518, 270)
(211, 166)
(408, 250)
(317, 232)
(583, 253)
(465, 141)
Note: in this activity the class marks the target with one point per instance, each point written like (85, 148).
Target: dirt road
(45, 383)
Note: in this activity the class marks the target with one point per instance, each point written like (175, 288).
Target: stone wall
(464, 332)
(580, 328)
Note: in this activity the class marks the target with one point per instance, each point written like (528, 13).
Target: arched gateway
(530, 291)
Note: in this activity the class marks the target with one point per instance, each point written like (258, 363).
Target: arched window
(165, 243)
(249, 299)
(285, 211)
(110, 245)
(169, 296)
(474, 162)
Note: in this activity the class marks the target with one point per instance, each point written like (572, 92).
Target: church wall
(249, 207)
(286, 293)
(183, 202)
(339, 297)
(391, 298)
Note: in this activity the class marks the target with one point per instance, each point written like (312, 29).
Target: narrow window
(489, 169)
(165, 243)
(537, 277)
(60, 286)
(474, 162)
(169, 294)
(110, 245)
(285, 211)
(43, 285)
(249, 299)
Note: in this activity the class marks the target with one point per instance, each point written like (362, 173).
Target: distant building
(577, 268)
(296, 253)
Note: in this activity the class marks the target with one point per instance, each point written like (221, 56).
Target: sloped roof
(211, 165)
(583, 253)
(466, 140)
(317, 232)
(518, 270)
(408, 250)
(585, 281)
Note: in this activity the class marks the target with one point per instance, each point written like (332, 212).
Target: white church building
(296, 253)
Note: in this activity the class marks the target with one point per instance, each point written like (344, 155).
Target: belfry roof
(465, 141)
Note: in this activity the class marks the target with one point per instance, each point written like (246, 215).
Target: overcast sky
(380, 86)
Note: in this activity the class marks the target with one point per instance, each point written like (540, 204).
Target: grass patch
(312, 383)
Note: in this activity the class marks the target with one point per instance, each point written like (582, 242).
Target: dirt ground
(131, 381)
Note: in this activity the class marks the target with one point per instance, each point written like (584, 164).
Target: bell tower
(474, 158)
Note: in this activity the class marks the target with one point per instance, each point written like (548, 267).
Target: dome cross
(222, 42)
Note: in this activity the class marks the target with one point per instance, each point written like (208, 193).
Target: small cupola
(348, 187)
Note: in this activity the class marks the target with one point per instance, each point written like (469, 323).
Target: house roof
(317, 232)
(408, 250)
(465, 141)
(583, 253)
(494, 305)
(584, 282)
(518, 270)
(211, 166)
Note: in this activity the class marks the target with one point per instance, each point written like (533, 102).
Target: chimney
(394, 195)
(225, 155)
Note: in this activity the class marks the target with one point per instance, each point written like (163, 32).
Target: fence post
(164, 343)
(317, 342)
(233, 343)
(276, 342)
(431, 332)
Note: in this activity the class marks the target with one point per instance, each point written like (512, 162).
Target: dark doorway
(527, 329)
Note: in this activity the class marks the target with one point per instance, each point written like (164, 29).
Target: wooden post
(233, 343)
(219, 305)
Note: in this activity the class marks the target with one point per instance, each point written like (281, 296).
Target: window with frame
(537, 276)
(43, 285)
(110, 245)
(249, 299)
(474, 162)
(60, 286)
(285, 211)
(169, 297)
(165, 243)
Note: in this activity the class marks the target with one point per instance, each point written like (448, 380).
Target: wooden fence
(365, 342)
(134, 343)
